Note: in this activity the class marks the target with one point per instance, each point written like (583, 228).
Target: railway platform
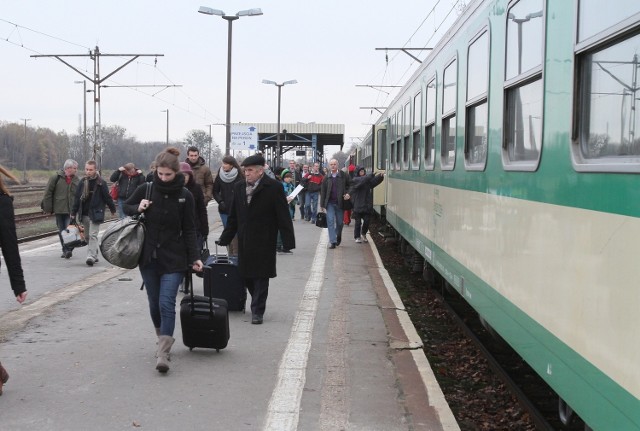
(336, 351)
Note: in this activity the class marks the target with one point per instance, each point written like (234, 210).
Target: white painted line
(284, 407)
(434, 392)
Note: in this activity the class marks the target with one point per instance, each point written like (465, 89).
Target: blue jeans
(223, 218)
(62, 221)
(121, 213)
(334, 222)
(311, 206)
(162, 290)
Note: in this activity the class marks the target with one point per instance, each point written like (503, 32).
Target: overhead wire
(207, 116)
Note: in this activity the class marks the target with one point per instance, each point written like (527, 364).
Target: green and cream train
(512, 168)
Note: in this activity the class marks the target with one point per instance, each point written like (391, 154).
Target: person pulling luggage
(169, 246)
(258, 212)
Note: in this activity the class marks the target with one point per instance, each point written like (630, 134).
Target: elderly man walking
(258, 212)
(58, 199)
(333, 193)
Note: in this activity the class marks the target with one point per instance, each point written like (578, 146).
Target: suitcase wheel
(190, 349)
(217, 350)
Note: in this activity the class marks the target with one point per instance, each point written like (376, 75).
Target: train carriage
(511, 160)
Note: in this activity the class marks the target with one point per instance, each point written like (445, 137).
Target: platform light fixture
(229, 18)
(267, 81)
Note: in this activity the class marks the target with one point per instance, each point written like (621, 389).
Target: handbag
(114, 191)
(321, 220)
(122, 242)
(73, 236)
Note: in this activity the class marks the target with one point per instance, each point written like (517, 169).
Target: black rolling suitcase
(222, 280)
(204, 320)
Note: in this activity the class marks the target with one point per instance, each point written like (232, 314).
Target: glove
(220, 243)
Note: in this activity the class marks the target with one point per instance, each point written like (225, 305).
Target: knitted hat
(186, 168)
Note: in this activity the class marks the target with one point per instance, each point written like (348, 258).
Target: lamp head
(266, 81)
(250, 12)
(293, 81)
(209, 11)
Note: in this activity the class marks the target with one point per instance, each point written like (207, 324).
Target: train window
(392, 139)
(522, 129)
(448, 144)
(475, 148)
(430, 125)
(416, 125)
(608, 115)
(593, 18)
(399, 140)
(406, 136)
(381, 146)
(448, 150)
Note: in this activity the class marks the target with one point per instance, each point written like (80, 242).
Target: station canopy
(308, 140)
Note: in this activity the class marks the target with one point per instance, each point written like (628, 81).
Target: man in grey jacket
(58, 198)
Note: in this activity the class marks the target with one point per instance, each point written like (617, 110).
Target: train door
(380, 164)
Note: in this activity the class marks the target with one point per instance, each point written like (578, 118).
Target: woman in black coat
(169, 246)
(202, 219)
(9, 246)
(228, 175)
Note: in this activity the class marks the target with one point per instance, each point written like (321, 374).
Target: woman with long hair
(9, 246)
(169, 246)
(228, 174)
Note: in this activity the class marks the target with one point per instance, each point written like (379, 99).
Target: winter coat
(202, 174)
(9, 244)
(312, 182)
(342, 183)
(202, 221)
(170, 224)
(223, 193)
(257, 225)
(58, 195)
(99, 198)
(127, 184)
(360, 192)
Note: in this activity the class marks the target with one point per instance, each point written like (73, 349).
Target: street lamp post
(230, 18)
(266, 81)
(84, 117)
(167, 111)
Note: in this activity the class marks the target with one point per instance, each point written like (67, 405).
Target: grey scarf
(228, 177)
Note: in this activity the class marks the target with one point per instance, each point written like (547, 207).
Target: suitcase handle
(188, 284)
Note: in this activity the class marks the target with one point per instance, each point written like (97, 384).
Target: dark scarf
(170, 188)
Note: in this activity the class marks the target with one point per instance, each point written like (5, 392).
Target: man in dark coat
(333, 192)
(258, 212)
(92, 195)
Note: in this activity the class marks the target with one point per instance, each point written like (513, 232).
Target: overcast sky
(327, 46)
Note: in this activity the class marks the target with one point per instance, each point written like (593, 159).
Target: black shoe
(256, 319)
(64, 255)
(333, 245)
(339, 240)
(90, 261)
(68, 254)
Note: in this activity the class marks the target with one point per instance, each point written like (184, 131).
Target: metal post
(167, 127)
(227, 148)
(84, 133)
(24, 152)
(279, 156)
(210, 141)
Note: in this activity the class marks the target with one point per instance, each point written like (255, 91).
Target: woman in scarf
(228, 174)
(9, 246)
(169, 245)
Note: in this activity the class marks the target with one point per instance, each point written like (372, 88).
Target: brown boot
(4, 376)
(164, 347)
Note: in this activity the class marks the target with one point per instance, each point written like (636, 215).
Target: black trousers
(362, 224)
(259, 290)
